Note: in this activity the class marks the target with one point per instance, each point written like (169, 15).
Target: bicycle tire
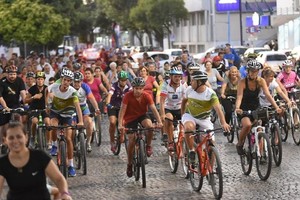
(42, 139)
(276, 144)
(83, 152)
(77, 157)
(246, 158)
(98, 130)
(142, 161)
(284, 130)
(216, 175)
(265, 159)
(63, 159)
(136, 164)
(184, 159)
(230, 135)
(195, 174)
(296, 126)
(173, 158)
(117, 142)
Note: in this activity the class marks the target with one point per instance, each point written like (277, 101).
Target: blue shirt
(243, 71)
(229, 56)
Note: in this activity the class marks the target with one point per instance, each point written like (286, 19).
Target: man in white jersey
(196, 107)
(171, 97)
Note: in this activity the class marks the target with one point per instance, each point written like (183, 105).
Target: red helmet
(11, 69)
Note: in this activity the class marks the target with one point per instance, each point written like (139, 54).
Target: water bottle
(40, 120)
(176, 133)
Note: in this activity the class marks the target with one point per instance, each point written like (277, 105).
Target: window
(193, 19)
(201, 18)
(276, 57)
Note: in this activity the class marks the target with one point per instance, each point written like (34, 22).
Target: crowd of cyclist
(180, 90)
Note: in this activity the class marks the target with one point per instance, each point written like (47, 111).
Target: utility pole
(241, 22)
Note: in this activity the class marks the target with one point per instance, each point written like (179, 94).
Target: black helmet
(30, 74)
(253, 64)
(193, 66)
(40, 75)
(199, 75)
(78, 76)
(138, 81)
(77, 66)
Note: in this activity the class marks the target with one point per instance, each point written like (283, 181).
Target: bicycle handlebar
(206, 131)
(63, 127)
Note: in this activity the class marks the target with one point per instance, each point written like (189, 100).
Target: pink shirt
(95, 88)
(288, 80)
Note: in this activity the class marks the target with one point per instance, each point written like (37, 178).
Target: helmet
(77, 66)
(287, 63)
(193, 66)
(12, 69)
(122, 75)
(253, 64)
(199, 75)
(138, 81)
(175, 71)
(30, 74)
(40, 75)
(78, 76)
(67, 73)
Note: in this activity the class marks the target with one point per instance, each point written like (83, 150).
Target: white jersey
(173, 96)
(263, 101)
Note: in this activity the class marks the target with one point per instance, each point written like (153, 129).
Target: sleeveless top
(250, 99)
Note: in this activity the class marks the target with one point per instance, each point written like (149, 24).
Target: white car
(163, 57)
(254, 50)
(174, 52)
(274, 59)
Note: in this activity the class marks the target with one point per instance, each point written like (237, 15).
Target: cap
(217, 58)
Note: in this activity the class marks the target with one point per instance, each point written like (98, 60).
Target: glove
(109, 106)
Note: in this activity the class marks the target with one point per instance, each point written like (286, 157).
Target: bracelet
(66, 193)
(32, 97)
(97, 109)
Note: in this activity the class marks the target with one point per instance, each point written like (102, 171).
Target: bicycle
(139, 157)
(234, 122)
(117, 137)
(180, 150)
(40, 139)
(207, 162)
(257, 146)
(274, 135)
(295, 116)
(97, 132)
(62, 147)
(80, 150)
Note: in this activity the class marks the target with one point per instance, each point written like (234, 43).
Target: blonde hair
(230, 71)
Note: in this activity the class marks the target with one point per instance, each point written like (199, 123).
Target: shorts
(203, 123)
(61, 120)
(44, 115)
(240, 117)
(176, 113)
(113, 112)
(85, 110)
(134, 124)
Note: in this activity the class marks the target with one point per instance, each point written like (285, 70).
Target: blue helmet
(175, 71)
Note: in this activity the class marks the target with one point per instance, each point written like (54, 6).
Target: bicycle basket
(262, 114)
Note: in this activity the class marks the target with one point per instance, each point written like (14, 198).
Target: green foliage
(30, 21)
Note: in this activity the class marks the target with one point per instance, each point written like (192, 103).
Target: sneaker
(192, 157)
(49, 146)
(171, 146)
(239, 149)
(149, 151)
(72, 171)
(129, 170)
(89, 148)
(53, 151)
(164, 137)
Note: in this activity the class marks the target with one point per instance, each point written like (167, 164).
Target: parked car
(296, 52)
(254, 50)
(274, 59)
(240, 50)
(91, 54)
(163, 57)
(174, 52)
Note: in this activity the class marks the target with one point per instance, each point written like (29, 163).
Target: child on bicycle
(132, 112)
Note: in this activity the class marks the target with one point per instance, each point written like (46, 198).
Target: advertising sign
(227, 5)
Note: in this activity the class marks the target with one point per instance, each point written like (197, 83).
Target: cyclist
(64, 100)
(248, 99)
(30, 80)
(170, 102)
(11, 88)
(196, 107)
(36, 99)
(84, 92)
(113, 103)
(288, 77)
(133, 111)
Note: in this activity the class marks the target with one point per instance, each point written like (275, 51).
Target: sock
(71, 163)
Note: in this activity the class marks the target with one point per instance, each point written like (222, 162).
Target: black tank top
(250, 99)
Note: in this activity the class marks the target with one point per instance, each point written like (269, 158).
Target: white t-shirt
(263, 101)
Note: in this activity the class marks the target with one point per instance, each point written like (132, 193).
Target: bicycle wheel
(295, 126)
(77, 156)
(117, 142)
(195, 174)
(142, 161)
(284, 129)
(276, 144)
(263, 156)
(215, 175)
(98, 136)
(82, 151)
(41, 139)
(62, 159)
(246, 158)
(136, 164)
(184, 159)
(230, 135)
(173, 158)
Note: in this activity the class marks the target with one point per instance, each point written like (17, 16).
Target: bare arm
(240, 93)
(282, 87)
(162, 107)
(102, 88)
(223, 88)
(54, 174)
(23, 95)
(156, 114)
(183, 105)
(219, 77)
(105, 80)
(121, 114)
(79, 113)
(218, 109)
(108, 98)
(267, 93)
(285, 97)
(93, 101)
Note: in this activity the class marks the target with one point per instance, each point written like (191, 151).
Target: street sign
(227, 5)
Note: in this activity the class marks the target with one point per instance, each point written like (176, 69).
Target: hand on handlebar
(226, 127)
(239, 111)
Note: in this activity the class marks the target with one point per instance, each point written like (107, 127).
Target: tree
(30, 21)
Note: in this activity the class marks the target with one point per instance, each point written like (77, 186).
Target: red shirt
(135, 108)
(149, 85)
(95, 88)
